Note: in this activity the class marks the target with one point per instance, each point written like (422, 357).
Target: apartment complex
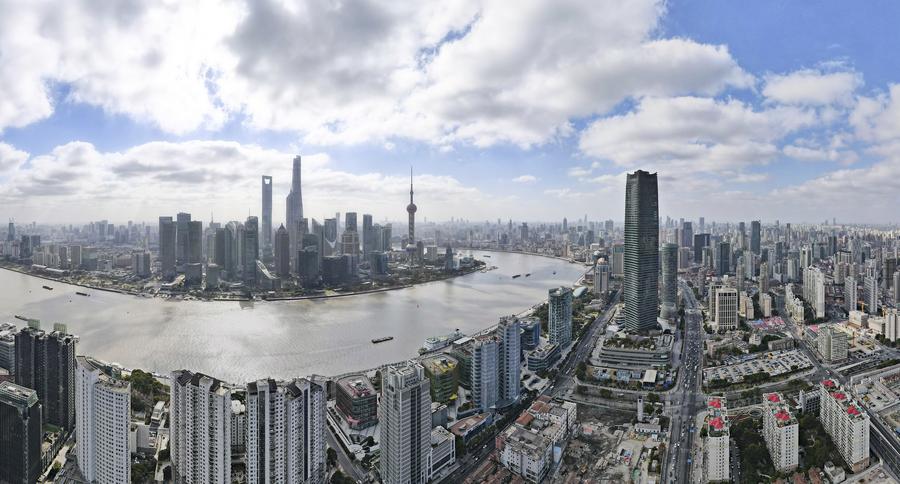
(103, 420)
(201, 431)
(781, 431)
(716, 444)
(846, 422)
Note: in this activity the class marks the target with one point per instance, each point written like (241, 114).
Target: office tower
(701, 241)
(726, 311)
(140, 263)
(75, 254)
(350, 222)
(46, 364)
(716, 445)
(814, 290)
(266, 217)
(669, 281)
(350, 248)
(367, 236)
(405, 428)
(183, 240)
(286, 432)
(850, 294)
(846, 422)
(282, 252)
(441, 371)
(330, 232)
(641, 251)
(103, 416)
(218, 256)
(200, 429)
(742, 236)
(167, 246)
(294, 207)
(687, 235)
(832, 344)
(250, 250)
(510, 353)
(764, 277)
(723, 258)
(896, 288)
(601, 278)
(411, 210)
(781, 432)
(11, 232)
(195, 242)
(559, 316)
(484, 373)
(20, 434)
(870, 292)
(357, 400)
(755, 236)
(618, 260)
(8, 347)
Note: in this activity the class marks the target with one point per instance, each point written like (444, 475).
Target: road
(346, 464)
(686, 400)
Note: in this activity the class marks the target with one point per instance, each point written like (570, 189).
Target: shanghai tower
(267, 217)
(294, 208)
(641, 267)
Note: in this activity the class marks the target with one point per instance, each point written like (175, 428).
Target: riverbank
(522, 252)
(170, 296)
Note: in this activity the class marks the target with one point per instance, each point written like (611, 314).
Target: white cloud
(76, 182)
(10, 157)
(813, 87)
(444, 72)
(525, 179)
(877, 118)
(692, 135)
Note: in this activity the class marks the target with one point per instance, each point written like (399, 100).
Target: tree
(331, 457)
(653, 398)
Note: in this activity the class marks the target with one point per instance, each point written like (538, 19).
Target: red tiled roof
(783, 416)
(716, 403)
(717, 423)
(773, 397)
(852, 410)
(839, 395)
(828, 383)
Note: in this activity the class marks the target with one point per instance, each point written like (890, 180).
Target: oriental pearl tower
(411, 210)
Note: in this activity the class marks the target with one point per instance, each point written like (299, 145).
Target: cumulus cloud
(692, 135)
(525, 179)
(10, 157)
(812, 87)
(443, 72)
(76, 181)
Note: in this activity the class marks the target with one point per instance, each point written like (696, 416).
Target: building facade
(21, 436)
(405, 428)
(781, 431)
(847, 424)
(200, 437)
(641, 261)
(103, 417)
(559, 316)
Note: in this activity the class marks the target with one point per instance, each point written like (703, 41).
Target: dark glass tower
(45, 363)
(755, 235)
(641, 267)
(267, 217)
(670, 281)
(20, 434)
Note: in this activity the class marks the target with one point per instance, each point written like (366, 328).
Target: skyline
(770, 111)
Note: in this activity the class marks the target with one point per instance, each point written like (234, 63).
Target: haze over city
(772, 110)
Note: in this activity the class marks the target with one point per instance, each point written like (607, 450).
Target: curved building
(641, 264)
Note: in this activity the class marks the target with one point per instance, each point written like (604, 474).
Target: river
(244, 341)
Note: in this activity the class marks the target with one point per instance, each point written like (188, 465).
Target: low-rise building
(781, 431)
(441, 371)
(526, 447)
(443, 450)
(357, 401)
(543, 357)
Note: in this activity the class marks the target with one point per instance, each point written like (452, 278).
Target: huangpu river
(244, 341)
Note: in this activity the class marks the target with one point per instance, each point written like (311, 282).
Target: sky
(530, 110)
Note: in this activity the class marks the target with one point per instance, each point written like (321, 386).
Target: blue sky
(766, 109)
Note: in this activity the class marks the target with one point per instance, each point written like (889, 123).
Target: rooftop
(439, 364)
(357, 386)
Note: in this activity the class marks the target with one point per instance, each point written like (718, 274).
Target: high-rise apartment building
(814, 290)
(103, 417)
(286, 432)
(20, 434)
(781, 432)
(870, 292)
(559, 316)
(850, 294)
(641, 271)
(45, 362)
(266, 228)
(726, 310)
(892, 324)
(405, 428)
(200, 435)
(716, 446)
(846, 422)
(831, 344)
(509, 332)
(485, 372)
(669, 303)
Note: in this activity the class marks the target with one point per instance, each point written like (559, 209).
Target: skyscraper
(641, 264)
(267, 217)
(294, 208)
(200, 430)
(11, 232)
(250, 249)
(411, 210)
(510, 348)
(755, 236)
(405, 430)
(485, 372)
(195, 242)
(182, 242)
(559, 316)
(103, 416)
(286, 432)
(167, 246)
(282, 252)
(367, 236)
(20, 434)
(670, 281)
(46, 364)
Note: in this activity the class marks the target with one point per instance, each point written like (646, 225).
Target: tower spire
(410, 184)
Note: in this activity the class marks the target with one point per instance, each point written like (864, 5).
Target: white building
(716, 445)
(846, 422)
(200, 430)
(746, 309)
(892, 324)
(526, 447)
(814, 290)
(793, 305)
(286, 432)
(405, 425)
(870, 291)
(102, 423)
(443, 450)
(485, 372)
(781, 431)
(765, 305)
(510, 355)
(850, 294)
(832, 344)
(726, 311)
(559, 324)
(601, 278)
